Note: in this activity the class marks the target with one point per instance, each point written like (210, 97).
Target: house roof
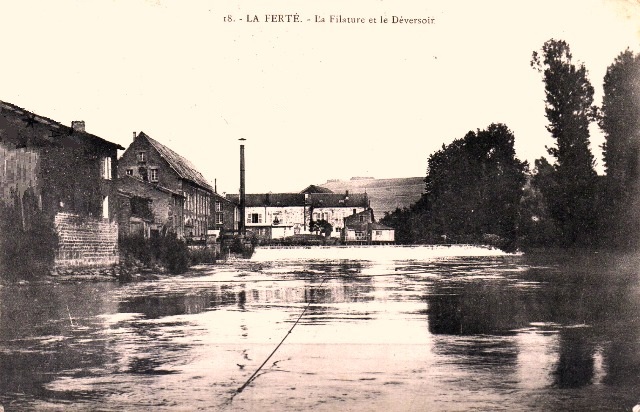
(300, 199)
(339, 200)
(379, 226)
(55, 126)
(129, 184)
(354, 219)
(316, 189)
(217, 196)
(184, 168)
(270, 199)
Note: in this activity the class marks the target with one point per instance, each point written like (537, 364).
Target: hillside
(385, 194)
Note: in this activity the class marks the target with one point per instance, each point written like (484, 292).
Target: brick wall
(85, 241)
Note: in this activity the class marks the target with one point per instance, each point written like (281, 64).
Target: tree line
(477, 191)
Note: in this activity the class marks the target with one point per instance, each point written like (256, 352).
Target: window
(254, 218)
(105, 207)
(154, 175)
(142, 156)
(218, 206)
(106, 168)
(361, 219)
(219, 218)
(129, 172)
(338, 229)
(378, 232)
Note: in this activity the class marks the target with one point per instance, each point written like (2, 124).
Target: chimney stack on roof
(78, 125)
(134, 136)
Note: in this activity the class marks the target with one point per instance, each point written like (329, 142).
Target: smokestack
(77, 125)
(242, 188)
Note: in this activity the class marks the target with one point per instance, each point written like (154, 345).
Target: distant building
(335, 207)
(381, 233)
(223, 215)
(150, 161)
(275, 215)
(280, 215)
(66, 173)
(361, 228)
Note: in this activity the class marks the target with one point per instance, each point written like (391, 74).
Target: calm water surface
(538, 333)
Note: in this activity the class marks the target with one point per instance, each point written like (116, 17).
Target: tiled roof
(184, 168)
(132, 183)
(339, 200)
(379, 226)
(64, 130)
(270, 199)
(354, 219)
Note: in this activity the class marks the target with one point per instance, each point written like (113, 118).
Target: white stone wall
(384, 235)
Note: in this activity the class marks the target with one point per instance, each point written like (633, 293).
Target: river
(526, 332)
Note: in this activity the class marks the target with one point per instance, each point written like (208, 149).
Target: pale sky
(315, 101)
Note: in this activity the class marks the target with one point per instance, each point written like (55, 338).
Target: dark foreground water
(540, 333)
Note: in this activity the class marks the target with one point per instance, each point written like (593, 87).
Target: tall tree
(620, 121)
(474, 185)
(569, 99)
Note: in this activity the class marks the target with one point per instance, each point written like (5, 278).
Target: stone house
(335, 207)
(148, 209)
(150, 161)
(66, 173)
(224, 215)
(275, 215)
(363, 229)
(280, 215)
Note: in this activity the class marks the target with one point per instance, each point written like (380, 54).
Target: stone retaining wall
(85, 242)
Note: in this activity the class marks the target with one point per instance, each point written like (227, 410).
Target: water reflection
(534, 333)
(47, 331)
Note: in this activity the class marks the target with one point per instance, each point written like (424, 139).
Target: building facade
(335, 207)
(361, 228)
(66, 173)
(152, 162)
(281, 215)
(275, 215)
(148, 209)
(223, 215)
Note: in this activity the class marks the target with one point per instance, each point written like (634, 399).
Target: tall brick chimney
(78, 125)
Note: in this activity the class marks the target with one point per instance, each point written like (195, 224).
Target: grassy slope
(385, 194)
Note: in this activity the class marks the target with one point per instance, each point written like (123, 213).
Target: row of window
(152, 175)
(327, 215)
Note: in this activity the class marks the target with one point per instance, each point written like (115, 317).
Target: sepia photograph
(320, 205)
